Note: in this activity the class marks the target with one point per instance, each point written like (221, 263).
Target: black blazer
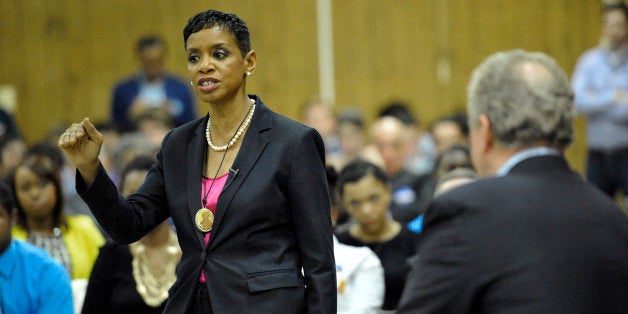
(271, 246)
(538, 240)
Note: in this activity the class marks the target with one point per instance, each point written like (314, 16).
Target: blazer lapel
(196, 156)
(252, 147)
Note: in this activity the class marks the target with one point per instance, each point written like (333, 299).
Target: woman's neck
(158, 237)
(41, 225)
(227, 110)
(388, 231)
(226, 118)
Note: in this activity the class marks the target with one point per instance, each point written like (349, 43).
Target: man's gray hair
(523, 106)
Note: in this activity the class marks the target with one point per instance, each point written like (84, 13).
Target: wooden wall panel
(403, 42)
(64, 56)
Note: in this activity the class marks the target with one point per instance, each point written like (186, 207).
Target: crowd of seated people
(382, 178)
(49, 214)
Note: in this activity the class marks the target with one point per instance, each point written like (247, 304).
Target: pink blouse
(211, 201)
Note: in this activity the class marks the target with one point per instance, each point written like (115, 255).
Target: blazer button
(203, 256)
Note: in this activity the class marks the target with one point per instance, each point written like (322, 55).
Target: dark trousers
(201, 304)
(608, 170)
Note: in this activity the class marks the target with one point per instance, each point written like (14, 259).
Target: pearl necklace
(153, 284)
(235, 137)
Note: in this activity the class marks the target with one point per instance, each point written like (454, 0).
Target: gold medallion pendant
(204, 219)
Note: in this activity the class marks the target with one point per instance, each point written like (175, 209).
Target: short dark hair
(459, 119)
(139, 163)
(149, 41)
(358, 169)
(227, 21)
(6, 198)
(400, 111)
(47, 149)
(618, 6)
(456, 156)
(351, 116)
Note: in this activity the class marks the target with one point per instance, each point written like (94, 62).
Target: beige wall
(63, 56)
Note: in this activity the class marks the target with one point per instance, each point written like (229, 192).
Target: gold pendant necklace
(204, 217)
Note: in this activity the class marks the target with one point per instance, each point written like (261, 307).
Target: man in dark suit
(533, 238)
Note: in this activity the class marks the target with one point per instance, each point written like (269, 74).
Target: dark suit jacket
(272, 218)
(538, 240)
(179, 93)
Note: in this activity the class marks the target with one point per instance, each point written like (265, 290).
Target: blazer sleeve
(311, 212)
(127, 220)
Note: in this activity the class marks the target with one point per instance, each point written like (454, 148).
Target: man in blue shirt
(31, 281)
(600, 83)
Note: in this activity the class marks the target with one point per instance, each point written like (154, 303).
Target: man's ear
(486, 133)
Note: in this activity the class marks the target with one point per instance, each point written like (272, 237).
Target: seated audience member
(359, 272)
(30, 280)
(456, 156)
(134, 278)
(154, 126)
(12, 149)
(8, 126)
(352, 137)
(449, 131)
(446, 181)
(73, 204)
(152, 89)
(531, 237)
(320, 115)
(422, 151)
(365, 193)
(410, 193)
(454, 178)
(72, 240)
(129, 146)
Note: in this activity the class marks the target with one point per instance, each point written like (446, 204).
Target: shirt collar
(143, 79)
(525, 154)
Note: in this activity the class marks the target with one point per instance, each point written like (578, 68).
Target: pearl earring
(248, 73)
(192, 84)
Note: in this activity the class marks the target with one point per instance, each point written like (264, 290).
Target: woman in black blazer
(244, 186)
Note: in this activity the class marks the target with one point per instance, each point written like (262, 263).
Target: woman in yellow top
(72, 240)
